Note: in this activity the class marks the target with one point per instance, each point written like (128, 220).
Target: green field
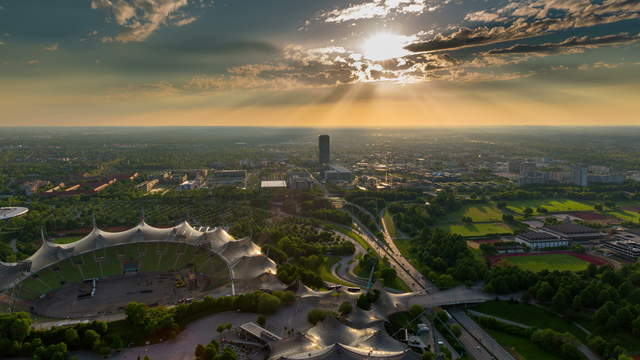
(479, 213)
(552, 206)
(625, 215)
(521, 347)
(390, 225)
(67, 239)
(560, 262)
(480, 229)
(529, 315)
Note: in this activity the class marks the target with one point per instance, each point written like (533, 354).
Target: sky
(319, 63)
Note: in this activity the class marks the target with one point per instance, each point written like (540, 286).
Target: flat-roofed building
(227, 178)
(573, 232)
(273, 184)
(337, 173)
(541, 240)
(626, 249)
(258, 333)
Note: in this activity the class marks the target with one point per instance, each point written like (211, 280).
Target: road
(477, 341)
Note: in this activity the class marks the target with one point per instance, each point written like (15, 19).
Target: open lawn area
(529, 315)
(521, 347)
(480, 229)
(389, 224)
(552, 206)
(536, 263)
(625, 215)
(67, 239)
(479, 213)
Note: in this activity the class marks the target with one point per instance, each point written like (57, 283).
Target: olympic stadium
(104, 271)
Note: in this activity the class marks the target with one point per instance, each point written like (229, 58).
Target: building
(541, 240)
(324, 149)
(579, 175)
(573, 232)
(513, 166)
(300, 183)
(529, 174)
(626, 249)
(188, 185)
(147, 185)
(273, 184)
(258, 333)
(31, 187)
(227, 178)
(337, 173)
(605, 179)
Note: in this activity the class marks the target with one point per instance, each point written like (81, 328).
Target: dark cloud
(569, 43)
(531, 19)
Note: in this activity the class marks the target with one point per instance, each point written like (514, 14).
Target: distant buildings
(579, 175)
(31, 187)
(299, 181)
(227, 178)
(148, 185)
(337, 173)
(324, 149)
(513, 166)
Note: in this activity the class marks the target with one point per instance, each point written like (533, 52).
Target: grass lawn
(388, 222)
(481, 229)
(536, 263)
(551, 205)
(625, 215)
(521, 347)
(325, 271)
(529, 315)
(479, 213)
(67, 239)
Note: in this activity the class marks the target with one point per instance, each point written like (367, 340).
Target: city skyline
(330, 63)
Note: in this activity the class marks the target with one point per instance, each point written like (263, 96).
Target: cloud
(531, 19)
(185, 21)
(52, 47)
(141, 18)
(572, 42)
(33, 62)
(377, 9)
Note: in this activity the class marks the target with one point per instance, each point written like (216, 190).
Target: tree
(456, 330)
(261, 320)
(71, 337)
(528, 211)
(91, 339)
(316, 315)
(223, 327)
(345, 308)
(415, 310)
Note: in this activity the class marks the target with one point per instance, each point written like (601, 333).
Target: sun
(385, 46)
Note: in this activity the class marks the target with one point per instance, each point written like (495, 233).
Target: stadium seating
(68, 272)
(90, 267)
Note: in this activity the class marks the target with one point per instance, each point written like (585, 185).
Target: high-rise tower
(323, 147)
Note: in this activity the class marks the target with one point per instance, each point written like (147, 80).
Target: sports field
(625, 215)
(536, 263)
(479, 213)
(552, 206)
(476, 229)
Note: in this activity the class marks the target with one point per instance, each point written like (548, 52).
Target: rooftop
(569, 229)
(270, 184)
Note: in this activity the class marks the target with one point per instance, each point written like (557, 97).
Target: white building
(541, 240)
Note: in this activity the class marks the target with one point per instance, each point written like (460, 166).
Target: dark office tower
(323, 144)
